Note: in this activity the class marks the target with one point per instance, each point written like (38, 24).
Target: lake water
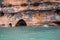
(30, 33)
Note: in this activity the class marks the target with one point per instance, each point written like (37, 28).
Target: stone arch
(21, 22)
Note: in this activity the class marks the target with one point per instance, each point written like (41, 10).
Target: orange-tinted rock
(14, 2)
(37, 18)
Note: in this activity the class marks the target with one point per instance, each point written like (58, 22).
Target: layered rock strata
(33, 12)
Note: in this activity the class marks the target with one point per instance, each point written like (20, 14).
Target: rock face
(14, 2)
(21, 5)
(18, 2)
(32, 12)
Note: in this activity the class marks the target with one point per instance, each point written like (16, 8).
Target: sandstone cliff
(14, 11)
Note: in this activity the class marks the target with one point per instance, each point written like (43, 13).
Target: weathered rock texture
(18, 2)
(16, 12)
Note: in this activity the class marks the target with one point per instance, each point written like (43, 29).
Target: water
(30, 33)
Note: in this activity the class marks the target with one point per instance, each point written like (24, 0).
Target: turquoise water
(30, 33)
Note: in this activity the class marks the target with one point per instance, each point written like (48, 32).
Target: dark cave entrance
(21, 23)
(58, 23)
(1, 14)
(58, 11)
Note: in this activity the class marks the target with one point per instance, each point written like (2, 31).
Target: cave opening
(58, 23)
(1, 14)
(21, 23)
(58, 11)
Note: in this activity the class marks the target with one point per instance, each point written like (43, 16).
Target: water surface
(30, 33)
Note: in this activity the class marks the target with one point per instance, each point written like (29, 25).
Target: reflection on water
(45, 25)
(30, 33)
